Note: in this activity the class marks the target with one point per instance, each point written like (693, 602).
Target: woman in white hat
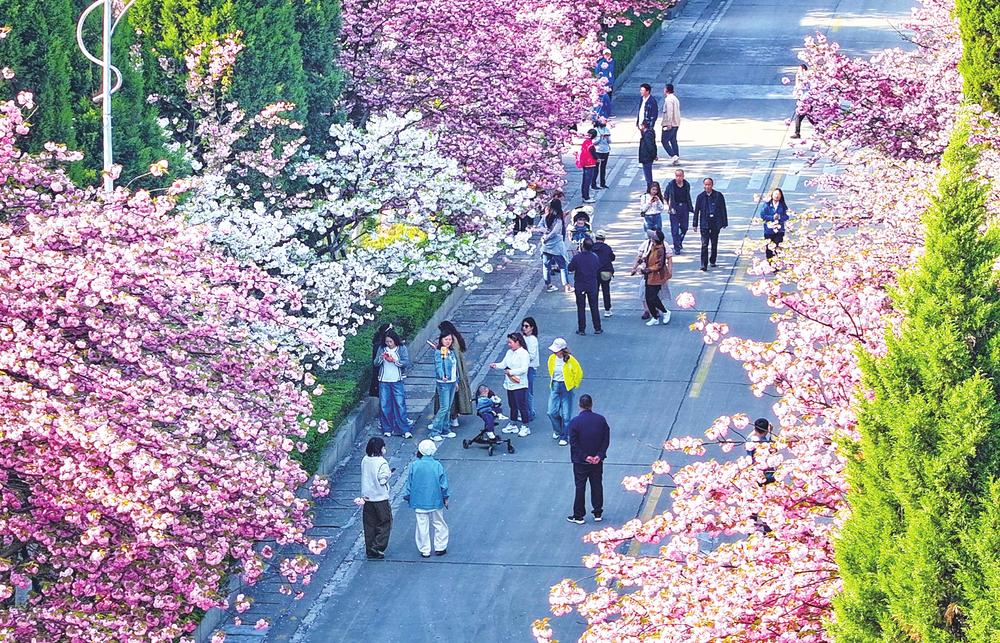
(426, 491)
(565, 375)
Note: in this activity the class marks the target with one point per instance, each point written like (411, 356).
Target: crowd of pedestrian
(569, 246)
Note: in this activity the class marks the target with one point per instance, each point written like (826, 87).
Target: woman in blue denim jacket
(446, 378)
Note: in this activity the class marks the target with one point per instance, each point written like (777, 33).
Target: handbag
(606, 275)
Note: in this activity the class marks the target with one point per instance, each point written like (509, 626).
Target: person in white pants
(426, 492)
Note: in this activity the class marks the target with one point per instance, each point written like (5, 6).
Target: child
(488, 408)
(581, 230)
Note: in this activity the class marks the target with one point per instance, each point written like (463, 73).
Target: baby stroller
(488, 408)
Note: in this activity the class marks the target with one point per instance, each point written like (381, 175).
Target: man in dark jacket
(647, 153)
(710, 215)
(589, 437)
(607, 268)
(586, 267)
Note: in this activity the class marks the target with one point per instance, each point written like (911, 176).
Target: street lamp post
(108, 26)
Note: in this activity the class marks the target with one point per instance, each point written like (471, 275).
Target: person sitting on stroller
(488, 407)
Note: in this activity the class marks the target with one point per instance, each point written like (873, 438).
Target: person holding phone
(376, 514)
(515, 381)
(389, 364)
(446, 379)
(462, 402)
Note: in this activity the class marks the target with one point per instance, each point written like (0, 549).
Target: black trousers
(602, 169)
(587, 297)
(376, 518)
(709, 237)
(798, 122)
(653, 301)
(776, 238)
(594, 473)
(606, 293)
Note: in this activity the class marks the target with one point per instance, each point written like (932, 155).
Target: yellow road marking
(779, 176)
(702, 374)
(836, 25)
(647, 512)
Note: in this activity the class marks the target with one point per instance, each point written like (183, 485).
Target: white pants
(424, 521)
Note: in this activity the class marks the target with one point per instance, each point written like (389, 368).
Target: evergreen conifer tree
(923, 477)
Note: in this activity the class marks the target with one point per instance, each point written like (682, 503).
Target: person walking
(529, 329)
(462, 402)
(710, 215)
(801, 93)
(647, 153)
(389, 365)
(586, 268)
(427, 492)
(677, 194)
(651, 207)
(605, 68)
(554, 250)
(670, 123)
(656, 270)
(376, 514)
(446, 381)
(565, 375)
(648, 109)
(640, 259)
(602, 150)
(774, 214)
(587, 162)
(607, 268)
(589, 438)
(515, 381)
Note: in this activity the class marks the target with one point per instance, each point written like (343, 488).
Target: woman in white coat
(515, 381)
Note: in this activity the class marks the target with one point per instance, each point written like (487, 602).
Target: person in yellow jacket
(565, 374)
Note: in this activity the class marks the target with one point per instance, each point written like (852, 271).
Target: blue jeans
(647, 171)
(560, 409)
(652, 222)
(589, 174)
(392, 407)
(531, 392)
(442, 421)
(669, 139)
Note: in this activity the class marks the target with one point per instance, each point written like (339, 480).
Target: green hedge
(979, 23)
(409, 308)
(633, 37)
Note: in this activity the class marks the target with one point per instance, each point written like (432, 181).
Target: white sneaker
(510, 428)
(653, 321)
(387, 434)
(551, 288)
(677, 160)
(450, 434)
(588, 200)
(524, 432)
(665, 318)
(437, 438)
(501, 417)
(407, 435)
(607, 313)
(563, 443)
(555, 436)
(454, 422)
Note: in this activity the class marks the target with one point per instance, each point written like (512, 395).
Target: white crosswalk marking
(627, 177)
(725, 175)
(758, 176)
(792, 176)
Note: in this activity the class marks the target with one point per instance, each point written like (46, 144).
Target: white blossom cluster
(383, 206)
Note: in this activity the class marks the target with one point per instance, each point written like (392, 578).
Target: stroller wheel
(510, 448)
(490, 451)
(465, 444)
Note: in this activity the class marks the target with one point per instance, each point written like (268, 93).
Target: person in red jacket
(588, 163)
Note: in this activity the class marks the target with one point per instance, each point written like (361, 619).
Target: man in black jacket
(710, 215)
(589, 437)
(585, 267)
(607, 268)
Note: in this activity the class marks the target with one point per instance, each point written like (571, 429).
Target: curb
(670, 14)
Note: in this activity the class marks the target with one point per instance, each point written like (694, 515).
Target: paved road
(510, 540)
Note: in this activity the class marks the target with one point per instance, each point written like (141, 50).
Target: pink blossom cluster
(746, 547)
(146, 429)
(504, 82)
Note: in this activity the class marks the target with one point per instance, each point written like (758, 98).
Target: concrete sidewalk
(509, 538)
